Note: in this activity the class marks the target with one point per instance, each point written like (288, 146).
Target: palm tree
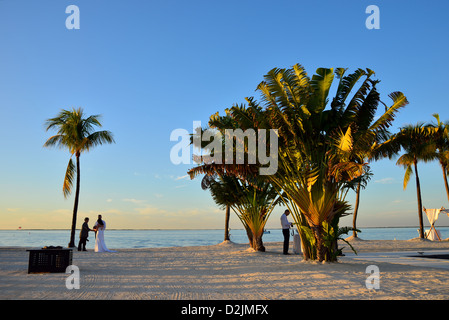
(223, 197)
(324, 148)
(252, 202)
(440, 136)
(229, 184)
(357, 185)
(320, 148)
(75, 133)
(417, 145)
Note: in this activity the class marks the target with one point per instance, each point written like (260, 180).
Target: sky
(151, 67)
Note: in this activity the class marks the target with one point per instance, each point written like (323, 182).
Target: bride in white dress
(100, 245)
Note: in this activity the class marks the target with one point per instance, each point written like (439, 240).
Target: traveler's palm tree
(324, 147)
(75, 133)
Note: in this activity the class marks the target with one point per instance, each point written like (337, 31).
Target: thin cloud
(386, 181)
(135, 201)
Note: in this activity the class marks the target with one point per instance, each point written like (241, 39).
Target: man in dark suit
(84, 234)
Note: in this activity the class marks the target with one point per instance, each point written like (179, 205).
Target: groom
(84, 234)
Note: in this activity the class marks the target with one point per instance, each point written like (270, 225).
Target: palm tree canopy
(417, 144)
(440, 136)
(75, 133)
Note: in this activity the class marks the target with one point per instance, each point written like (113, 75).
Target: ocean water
(117, 239)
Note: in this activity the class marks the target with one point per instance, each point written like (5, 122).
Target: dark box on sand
(49, 260)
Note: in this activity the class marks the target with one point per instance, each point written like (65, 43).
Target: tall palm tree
(224, 197)
(440, 136)
(75, 133)
(357, 185)
(417, 146)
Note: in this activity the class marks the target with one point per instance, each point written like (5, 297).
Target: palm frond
(55, 141)
(320, 85)
(407, 175)
(385, 121)
(68, 179)
(98, 138)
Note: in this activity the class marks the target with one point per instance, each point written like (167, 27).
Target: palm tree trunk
(418, 191)
(257, 243)
(356, 209)
(320, 248)
(250, 236)
(226, 236)
(445, 180)
(75, 206)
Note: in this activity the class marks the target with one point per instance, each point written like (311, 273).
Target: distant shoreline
(204, 229)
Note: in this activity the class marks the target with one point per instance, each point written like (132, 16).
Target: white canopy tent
(432, 216)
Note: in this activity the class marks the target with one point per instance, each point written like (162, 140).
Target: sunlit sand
(227, 271)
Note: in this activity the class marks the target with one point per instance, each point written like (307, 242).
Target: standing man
(286, 230)
(84, 234)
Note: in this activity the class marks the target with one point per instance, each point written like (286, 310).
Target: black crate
(49, 260)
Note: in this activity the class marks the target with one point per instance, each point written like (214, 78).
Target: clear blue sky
(150, 67)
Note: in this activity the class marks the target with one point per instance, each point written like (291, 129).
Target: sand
(226, 271)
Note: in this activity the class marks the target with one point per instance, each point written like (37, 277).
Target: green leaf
(320, 85)
(68, 179)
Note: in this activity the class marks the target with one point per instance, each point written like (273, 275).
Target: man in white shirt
(286, 225)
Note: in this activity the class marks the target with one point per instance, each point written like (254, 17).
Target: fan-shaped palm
(323, 148)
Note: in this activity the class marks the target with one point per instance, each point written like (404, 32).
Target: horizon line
(172, 229)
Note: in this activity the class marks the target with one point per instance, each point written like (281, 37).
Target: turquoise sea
(116, 239)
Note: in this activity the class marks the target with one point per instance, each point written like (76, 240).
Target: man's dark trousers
(286, 233)
(83, 243)
(84, 234)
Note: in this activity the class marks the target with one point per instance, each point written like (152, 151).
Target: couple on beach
(99, 227)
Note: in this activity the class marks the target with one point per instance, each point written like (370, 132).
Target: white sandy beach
(226, 271)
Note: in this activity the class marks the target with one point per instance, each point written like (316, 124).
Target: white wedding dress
(100, 245)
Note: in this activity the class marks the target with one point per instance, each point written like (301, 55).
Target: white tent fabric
(433, 234)
(432, 216)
